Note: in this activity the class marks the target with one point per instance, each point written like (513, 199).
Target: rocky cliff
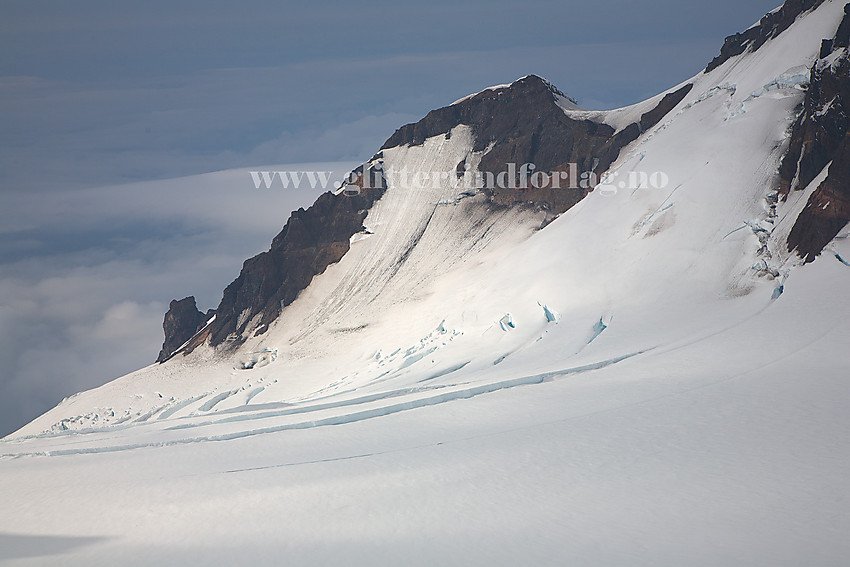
(525, 123)
(770, 26)
(819, 140)
(182, 321)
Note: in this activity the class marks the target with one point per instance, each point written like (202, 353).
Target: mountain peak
(532, 93)
(525, 122)
(529, 83)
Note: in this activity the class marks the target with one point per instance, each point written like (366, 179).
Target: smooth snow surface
(649, 380)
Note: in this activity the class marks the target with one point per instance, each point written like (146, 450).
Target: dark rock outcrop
(819, 129)
(842, 36)
(525, 125)
(826, 213)
(768, 27)
(181, 323)
(311, 240)
(820, 136)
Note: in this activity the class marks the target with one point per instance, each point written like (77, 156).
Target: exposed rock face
(524, 124)
(311, 240)
(819, 130)
(768, 27)
(826, 213)
(820, 137)
(181, 323)
(842, 36)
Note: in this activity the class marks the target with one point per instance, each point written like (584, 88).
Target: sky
(101, 101)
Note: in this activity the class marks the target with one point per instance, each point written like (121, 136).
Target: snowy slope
(728, 451)
(433, 259)
(649, 380)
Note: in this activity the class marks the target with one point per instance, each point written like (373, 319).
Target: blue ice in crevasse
(551, 316)
(597, 330)
(507, 323)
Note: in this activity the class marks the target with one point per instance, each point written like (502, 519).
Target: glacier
(649, 400)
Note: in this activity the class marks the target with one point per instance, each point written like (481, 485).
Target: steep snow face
(428, 223)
